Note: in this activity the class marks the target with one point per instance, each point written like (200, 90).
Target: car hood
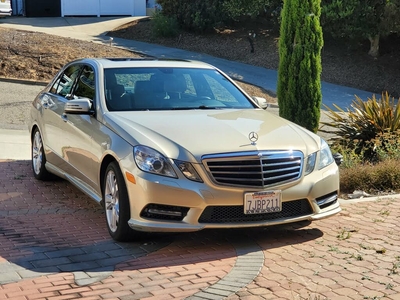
(190, 134)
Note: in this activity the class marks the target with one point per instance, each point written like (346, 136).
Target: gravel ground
(15, 102)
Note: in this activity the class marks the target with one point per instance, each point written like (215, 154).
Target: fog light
(164, 212)
(327, 200)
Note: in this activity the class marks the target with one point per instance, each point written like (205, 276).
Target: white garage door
(116, 7)
(103, 8)
(79, 8)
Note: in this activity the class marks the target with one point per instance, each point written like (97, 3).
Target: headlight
(325, 155)
(152, 161)
(310, 163)
(188, 170)
(325, 158)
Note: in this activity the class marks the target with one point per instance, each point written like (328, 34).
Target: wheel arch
(105, 162)
(32, 131)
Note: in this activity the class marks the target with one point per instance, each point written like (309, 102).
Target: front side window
(85, 87)
(64, 83)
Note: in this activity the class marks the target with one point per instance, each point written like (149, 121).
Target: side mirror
(78, 106)
(338, 158)
(262, 102)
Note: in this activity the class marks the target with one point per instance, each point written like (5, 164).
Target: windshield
(170, 89)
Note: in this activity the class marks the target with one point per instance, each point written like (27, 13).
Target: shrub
(164, 26)
(371, 178)
(195, 15)
(205, 15)
(350, 158)
(367, 127)
(387, 145)
(300, 43)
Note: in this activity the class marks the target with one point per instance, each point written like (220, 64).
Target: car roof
(107, 63)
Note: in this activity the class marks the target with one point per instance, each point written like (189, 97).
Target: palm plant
(365, 126)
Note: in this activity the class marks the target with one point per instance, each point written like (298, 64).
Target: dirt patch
(38, 56)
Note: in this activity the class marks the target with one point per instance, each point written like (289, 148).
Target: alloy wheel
(112, 201)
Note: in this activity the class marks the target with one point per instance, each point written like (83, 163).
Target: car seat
(116, 97)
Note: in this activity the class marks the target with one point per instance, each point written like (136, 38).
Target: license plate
(262, 202)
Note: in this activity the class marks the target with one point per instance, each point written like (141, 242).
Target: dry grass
(38, 56)
(382, 178)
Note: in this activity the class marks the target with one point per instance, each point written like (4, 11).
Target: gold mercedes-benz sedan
(174, 146)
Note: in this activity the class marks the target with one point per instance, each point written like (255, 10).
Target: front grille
(255, 169)
(235, 214)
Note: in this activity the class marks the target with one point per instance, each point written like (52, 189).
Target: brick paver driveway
(54, 245)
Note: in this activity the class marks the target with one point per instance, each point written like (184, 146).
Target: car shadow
(52, 227)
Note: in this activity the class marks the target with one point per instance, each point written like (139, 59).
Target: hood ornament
(253, 137)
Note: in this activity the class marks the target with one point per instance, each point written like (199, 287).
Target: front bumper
(206, 205)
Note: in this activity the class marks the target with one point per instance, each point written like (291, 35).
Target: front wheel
(39, 157)
(116, 204)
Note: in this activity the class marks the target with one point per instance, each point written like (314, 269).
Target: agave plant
(365, 125)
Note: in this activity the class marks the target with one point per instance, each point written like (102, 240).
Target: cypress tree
(299, 75)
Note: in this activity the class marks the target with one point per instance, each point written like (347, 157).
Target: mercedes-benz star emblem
(253, 137)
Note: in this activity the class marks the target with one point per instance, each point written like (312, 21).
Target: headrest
(175, 84)
(110, 79)
(118, 89)
(157, 81)
(143, 86)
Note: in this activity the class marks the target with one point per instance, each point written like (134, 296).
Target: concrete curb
(23, 81)
(368, 199)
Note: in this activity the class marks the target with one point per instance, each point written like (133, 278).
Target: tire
(38, 157)
(116, 204)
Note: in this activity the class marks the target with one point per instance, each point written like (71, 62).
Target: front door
(53, 104)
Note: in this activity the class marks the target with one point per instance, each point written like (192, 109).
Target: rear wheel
(38, 157)
(116, 204)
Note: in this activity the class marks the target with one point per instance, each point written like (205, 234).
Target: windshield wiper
(207, 107)
(197, 107)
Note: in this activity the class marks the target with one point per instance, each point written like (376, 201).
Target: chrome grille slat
(254, 169)
(287, 169)
(244, 173)
(278, 164)
(232, 167)
(238, 179)
(283, 176)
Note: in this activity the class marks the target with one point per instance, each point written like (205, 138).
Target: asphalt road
(15, 100)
